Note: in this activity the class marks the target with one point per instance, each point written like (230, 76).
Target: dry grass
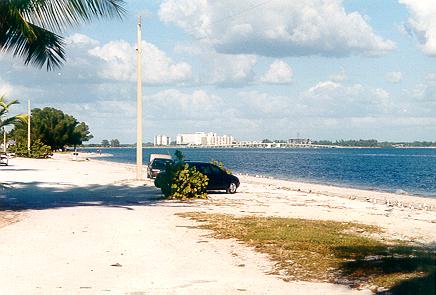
(8, 217)
(328, 251)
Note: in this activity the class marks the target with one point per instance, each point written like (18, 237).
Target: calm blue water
(409, 170)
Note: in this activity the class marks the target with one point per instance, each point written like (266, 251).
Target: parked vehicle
(158, 163)
(218, 178)
(4, 159)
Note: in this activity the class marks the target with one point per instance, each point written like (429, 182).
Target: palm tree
(30, 28)
(4, 109)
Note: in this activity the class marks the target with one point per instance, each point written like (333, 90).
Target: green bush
(181, 181)
(38, 150)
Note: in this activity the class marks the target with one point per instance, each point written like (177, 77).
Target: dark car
(158, 165)
(218, 178)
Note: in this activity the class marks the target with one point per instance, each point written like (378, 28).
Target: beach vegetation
(330, 251)
(179, 181)
(53, 128)
(31, 28)
(38, 150)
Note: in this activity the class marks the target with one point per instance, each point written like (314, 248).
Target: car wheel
(231, 189)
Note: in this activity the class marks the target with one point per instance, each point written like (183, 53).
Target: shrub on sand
(38, 150)
(180, 181)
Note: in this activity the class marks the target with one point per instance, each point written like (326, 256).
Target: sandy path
(87, 230)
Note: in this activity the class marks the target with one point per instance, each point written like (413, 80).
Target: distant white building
(162, 140)
(203, 138)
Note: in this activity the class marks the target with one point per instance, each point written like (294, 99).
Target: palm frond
(12, 120)
(26, 26)
(38, 46)
(22, 118)
(57, 15)
(6, 104)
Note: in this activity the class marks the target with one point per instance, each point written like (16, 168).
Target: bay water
(411, 170)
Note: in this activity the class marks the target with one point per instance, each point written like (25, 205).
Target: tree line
(111, 143)
(375, 143)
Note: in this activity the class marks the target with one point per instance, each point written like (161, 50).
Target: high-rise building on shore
(162, 140)
(203, 138)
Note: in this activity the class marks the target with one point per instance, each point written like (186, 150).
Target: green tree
(31, 28)
(105, 143)
(53, 128)
(115, 143)
(81, 134)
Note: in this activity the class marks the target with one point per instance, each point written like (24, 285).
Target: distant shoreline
(237, 147)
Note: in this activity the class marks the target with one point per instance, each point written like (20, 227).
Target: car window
(160, 163)
(215, 169)
(205, 169)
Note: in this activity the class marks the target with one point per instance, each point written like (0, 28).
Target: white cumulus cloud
(276, 28)
(422, 23)
(279, 72)
(157, 68)
(80, 39)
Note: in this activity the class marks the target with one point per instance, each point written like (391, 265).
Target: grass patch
(329, 251)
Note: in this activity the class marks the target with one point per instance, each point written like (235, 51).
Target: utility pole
(4, 140)
(28, 126)
(139, 106)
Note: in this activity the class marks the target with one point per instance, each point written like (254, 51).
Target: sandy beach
(86, 227)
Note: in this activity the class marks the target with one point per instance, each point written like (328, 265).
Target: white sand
(81, 217)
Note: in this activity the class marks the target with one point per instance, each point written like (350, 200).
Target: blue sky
(325, 69)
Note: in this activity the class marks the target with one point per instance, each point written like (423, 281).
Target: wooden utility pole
(139, 175)
(28, 125)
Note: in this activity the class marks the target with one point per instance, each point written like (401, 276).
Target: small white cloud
(394, 77)
(422, 23)
(381, 93)
(80, 39)
(339, 77)
(323, 88)
(279, 72)
(157, 68)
